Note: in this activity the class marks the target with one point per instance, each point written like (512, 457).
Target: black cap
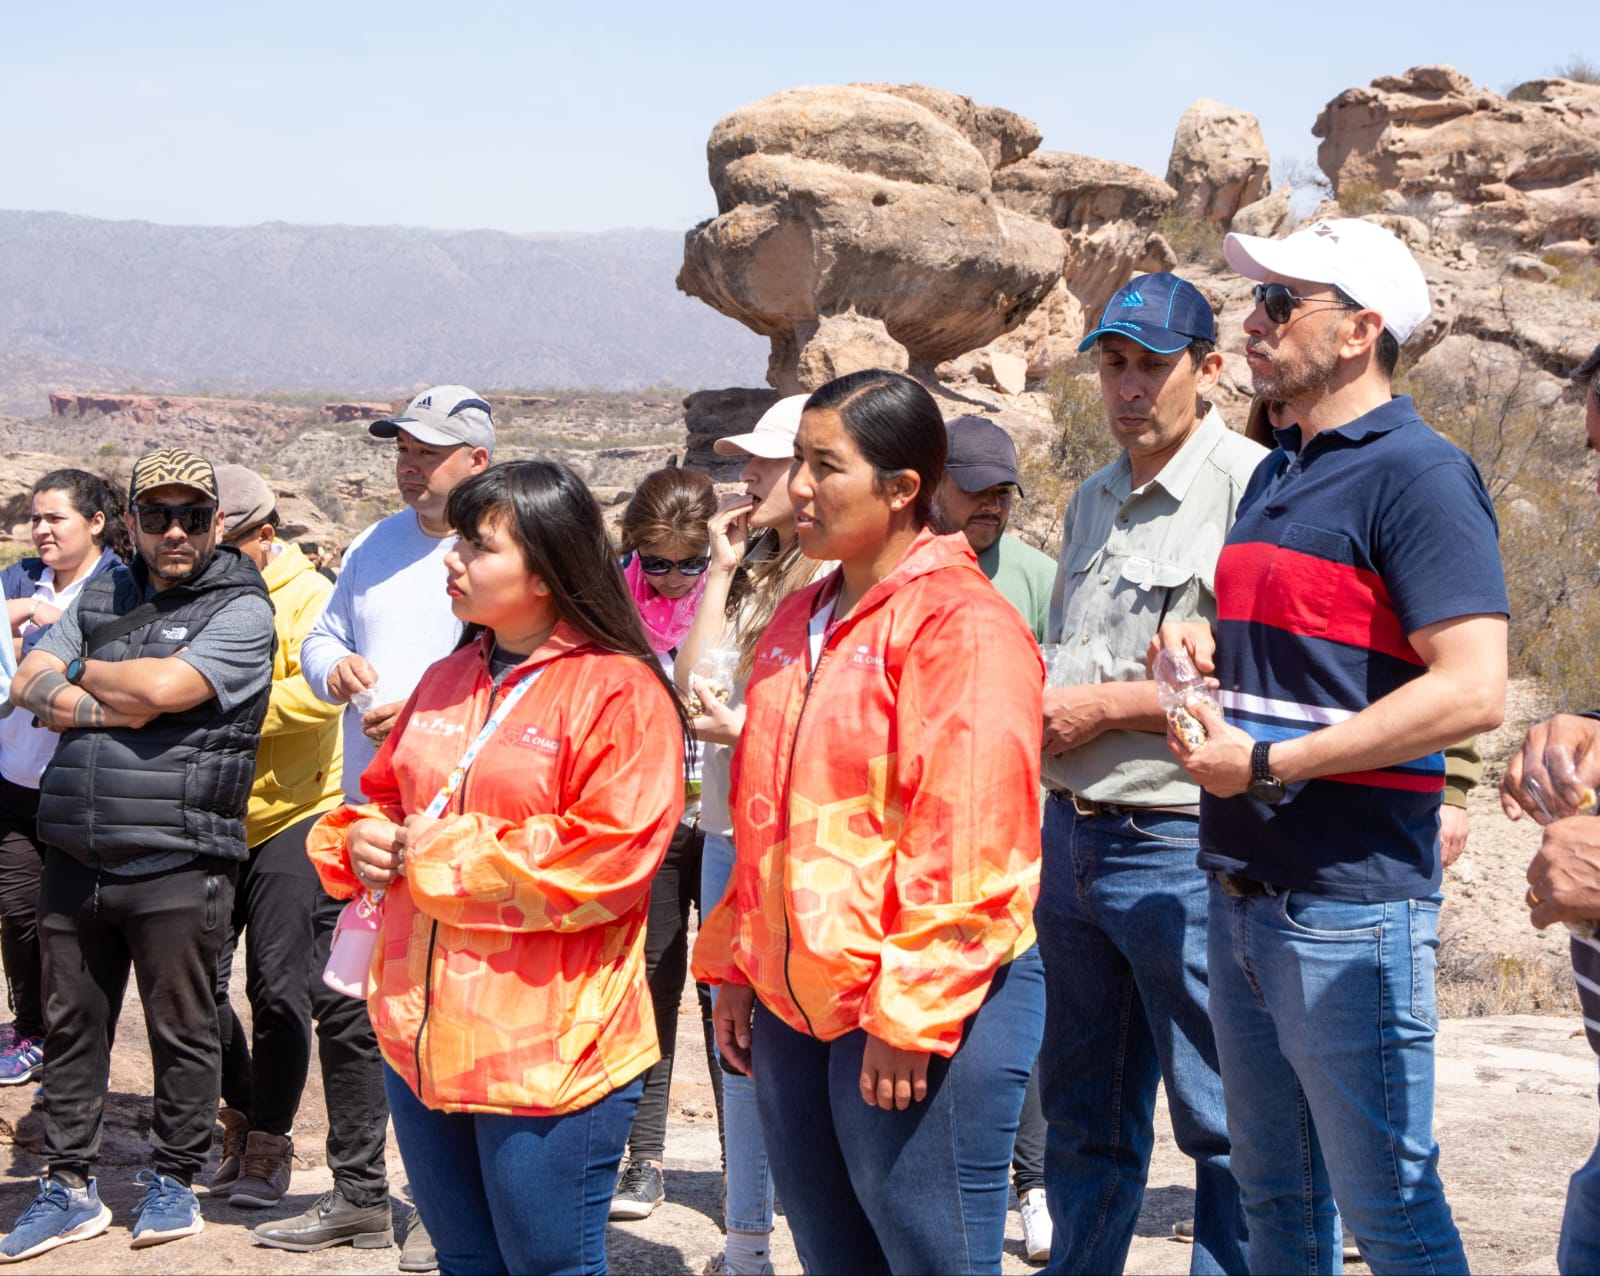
(981, 455)
(1586, 370)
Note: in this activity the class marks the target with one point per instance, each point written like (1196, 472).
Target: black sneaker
(331, 1221)
(639, 1191)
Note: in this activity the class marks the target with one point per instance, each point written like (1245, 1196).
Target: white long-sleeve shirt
(389, 606)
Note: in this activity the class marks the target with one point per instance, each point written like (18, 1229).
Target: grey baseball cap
(981, 455)
(443, 417)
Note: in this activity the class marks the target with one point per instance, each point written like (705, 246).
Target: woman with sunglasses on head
(76, 525)
(879, 929)
(665, 544)
(507, 988)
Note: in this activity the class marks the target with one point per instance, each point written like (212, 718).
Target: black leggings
(21, 862)
(666, 966)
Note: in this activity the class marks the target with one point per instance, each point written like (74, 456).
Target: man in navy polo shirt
(1361, 627)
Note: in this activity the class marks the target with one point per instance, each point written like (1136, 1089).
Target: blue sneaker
(169, 1210)
(8, 1035)
(21, 1061)
(58, 1216)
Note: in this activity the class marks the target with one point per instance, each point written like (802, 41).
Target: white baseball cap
(773, 436)
(442, 417)
(1364, 261)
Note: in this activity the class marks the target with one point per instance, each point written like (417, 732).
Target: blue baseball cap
(1161, 312)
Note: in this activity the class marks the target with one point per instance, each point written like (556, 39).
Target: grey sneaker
(1183, 1230)
(639, 1191)
(331, 1221)
(264, 1178)
(418, 1254)
(169, 1210)
(59, 1215)
(235, 1129)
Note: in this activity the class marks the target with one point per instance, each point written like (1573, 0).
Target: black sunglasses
(192, 519)
(1280, 302)
(650, 565)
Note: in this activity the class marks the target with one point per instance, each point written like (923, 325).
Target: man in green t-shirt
(975, 495)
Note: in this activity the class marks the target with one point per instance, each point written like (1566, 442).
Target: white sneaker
(1036, 1229)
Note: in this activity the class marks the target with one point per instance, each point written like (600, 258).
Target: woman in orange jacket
(875, 948)
(507, 990)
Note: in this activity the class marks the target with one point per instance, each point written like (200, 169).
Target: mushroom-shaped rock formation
(851, 201)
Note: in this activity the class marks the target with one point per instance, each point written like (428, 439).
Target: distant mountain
(369, 309)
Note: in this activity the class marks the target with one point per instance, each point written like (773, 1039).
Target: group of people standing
(819, 712)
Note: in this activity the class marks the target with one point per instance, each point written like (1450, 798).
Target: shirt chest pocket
(1301, 587)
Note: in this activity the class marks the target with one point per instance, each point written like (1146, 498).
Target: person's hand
(43, 614)
(1220, 766)
(730, 533)
(730, 1019)
(1564, 878)
(717, 723)
(350, 675)
(370, 843)
(1555, 772)
(415, 828)
(1452, 833)
(1193, 636)
(377, 723)
(1072, 716)
(891, 1077)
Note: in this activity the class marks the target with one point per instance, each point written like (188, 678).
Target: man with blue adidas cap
(1122, 908)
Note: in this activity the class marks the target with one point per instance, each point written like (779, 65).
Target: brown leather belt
(1243, 887)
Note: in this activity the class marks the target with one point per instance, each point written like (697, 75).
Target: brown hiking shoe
(264, 1175)
(235, 1126)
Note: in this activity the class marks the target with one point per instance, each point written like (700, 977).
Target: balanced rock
(1529, 162)
(836, 200)
(1219, 162)
(1001, 136)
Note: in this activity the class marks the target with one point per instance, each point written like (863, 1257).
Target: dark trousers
(21, 861)
(263, 1076)
(352, 1075)
(666, 967)
(168, 927)
(1027, 1158)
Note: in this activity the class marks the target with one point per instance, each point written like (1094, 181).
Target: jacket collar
(929, 552)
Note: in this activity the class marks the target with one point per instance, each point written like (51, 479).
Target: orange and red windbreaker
(885, 807)
(509, 974)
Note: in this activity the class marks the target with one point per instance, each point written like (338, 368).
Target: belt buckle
(1241, 887)
(1083, 806)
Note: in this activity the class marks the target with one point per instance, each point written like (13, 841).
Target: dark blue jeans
(503, 1194)
(923, 1190)
(1122, 926)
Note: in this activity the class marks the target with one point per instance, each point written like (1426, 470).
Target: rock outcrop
(1219, 162)
(853, 201)
(1528, 163)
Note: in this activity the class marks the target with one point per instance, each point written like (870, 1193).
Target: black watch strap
(1260, 763)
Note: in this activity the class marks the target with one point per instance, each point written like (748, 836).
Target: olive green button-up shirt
(1131, 560)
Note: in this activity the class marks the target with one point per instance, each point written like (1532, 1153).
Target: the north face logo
(1133, 300)
(176, 634)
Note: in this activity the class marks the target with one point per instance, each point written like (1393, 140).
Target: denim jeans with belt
(749, 1206)
(1122, 926)
(1325, 1017)
(503, 1194)
(919, 1190)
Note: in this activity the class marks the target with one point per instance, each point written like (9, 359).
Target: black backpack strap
(100, 635)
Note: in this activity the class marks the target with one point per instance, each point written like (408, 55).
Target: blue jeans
(744, 1151)
(1578, 1253)
(1122, 926)
(919, 1190)
(503, 1194)
(1325, 1018)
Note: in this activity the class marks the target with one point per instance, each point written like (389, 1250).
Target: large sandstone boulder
(1529, 163)
(1219, 162)
(1001, 136)
(838, 200)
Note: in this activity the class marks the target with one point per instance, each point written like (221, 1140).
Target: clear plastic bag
(1180, 688)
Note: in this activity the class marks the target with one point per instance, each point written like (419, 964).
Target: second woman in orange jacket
(878, 927)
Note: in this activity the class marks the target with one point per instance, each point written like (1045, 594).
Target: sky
(535, 117)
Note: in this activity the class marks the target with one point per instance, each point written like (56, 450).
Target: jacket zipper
(460, 803)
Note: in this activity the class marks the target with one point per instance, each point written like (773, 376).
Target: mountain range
(92, 304)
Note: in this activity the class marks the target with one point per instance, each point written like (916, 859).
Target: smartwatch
(1264, 787)
(75, 668)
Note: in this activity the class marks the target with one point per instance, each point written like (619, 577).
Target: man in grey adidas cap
(387, 620)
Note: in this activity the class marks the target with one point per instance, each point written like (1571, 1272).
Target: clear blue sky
(588, 116)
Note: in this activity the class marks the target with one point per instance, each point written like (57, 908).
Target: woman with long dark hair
(76, 524)
(518, 812)
(875, 951)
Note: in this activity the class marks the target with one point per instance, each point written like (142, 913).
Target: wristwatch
(75, 668)
(1265, 787)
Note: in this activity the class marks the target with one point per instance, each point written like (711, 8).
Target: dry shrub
(1575, 274)
(1359, 198)
(1472, 983)
(1052, 467)
(1579, 68)
(1192, 239)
